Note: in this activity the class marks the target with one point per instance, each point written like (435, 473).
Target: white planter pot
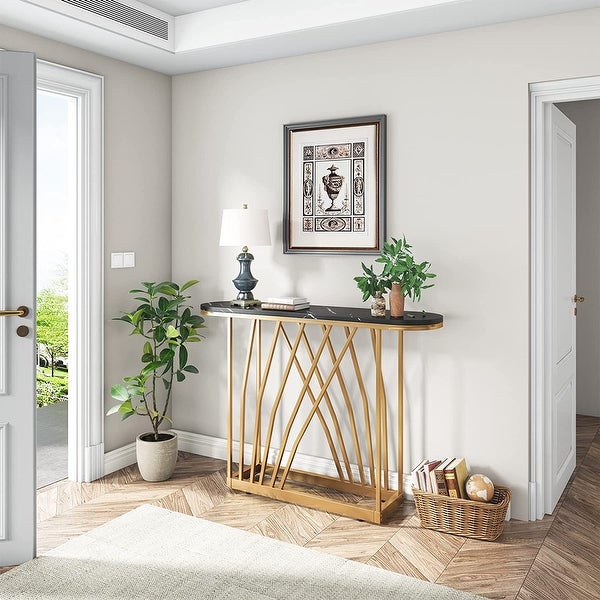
(156, 459)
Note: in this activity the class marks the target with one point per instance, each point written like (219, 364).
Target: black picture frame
(340, 208)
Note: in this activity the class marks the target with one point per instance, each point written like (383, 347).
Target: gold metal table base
(366, 511)
(355, 425)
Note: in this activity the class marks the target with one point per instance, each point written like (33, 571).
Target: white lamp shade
(245, 227)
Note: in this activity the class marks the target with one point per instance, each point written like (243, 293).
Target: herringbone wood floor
(556, 558)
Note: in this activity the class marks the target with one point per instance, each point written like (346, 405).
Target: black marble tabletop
(329, 313)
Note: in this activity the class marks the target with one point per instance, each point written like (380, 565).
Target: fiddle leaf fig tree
(168, 325)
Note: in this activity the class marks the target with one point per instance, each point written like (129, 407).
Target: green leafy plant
(370, 284)
(167, 325)
(52, 324)
(51, 389)
(400, 266)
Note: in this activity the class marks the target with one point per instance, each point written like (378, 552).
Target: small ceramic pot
(378, 305)
(156, 459)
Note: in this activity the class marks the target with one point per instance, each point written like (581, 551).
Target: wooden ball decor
(479, 488)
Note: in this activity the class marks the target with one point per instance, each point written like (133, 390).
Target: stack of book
(285, 303)
(446, 477)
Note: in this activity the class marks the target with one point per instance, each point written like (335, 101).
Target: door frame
(86, 274)
(542, 96)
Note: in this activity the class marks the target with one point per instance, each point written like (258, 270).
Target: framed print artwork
(334, 186)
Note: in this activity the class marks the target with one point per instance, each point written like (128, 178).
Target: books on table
(285, 303)
(277, 306)
(287, 300)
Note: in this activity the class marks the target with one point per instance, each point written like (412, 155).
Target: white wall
(586, 116)
(458, 187)
(137, 194)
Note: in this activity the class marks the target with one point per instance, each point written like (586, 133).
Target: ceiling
(197, 35)
(186, 7)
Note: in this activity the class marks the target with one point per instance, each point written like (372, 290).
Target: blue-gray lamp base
(245, 282)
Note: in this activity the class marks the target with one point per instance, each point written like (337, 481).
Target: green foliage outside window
(53, 324)
(53, 342)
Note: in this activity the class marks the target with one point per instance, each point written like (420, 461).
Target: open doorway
(55, 231)
(70, 197)
(585, 114)
(548, 420)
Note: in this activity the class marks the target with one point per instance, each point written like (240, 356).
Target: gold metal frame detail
(269, 472)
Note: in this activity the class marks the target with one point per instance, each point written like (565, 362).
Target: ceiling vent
(125, 15)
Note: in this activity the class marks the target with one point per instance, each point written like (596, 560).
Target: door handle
(577, 298)
(22, 311)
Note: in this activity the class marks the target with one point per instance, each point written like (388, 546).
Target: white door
(17, 288)
(560, 450)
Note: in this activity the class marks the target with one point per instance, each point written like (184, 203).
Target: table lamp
(245, 227)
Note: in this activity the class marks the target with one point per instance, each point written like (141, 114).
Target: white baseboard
(204, 445)
(214, 447)
(119, 458)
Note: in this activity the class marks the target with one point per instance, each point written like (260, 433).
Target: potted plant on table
(167, 325)
(403, 274)
(373, 286)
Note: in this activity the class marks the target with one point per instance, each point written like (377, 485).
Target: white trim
(3, 236)
(86, 310)
(3, 479)
(542, 96)
(215, 447)
(119, 458)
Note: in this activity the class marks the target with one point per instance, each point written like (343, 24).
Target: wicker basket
(480, 520)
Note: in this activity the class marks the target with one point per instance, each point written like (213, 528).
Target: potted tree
(167, 325)
(403, 274)
(373, 286)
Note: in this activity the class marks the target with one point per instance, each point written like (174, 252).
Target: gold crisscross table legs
(354, 424)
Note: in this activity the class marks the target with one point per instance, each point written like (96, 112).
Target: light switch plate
(122, 260)
(128, 259)
(116, 260)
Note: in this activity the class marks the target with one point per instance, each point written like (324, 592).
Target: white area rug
(152, 553)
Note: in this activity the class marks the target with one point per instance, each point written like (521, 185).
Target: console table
(319, 370)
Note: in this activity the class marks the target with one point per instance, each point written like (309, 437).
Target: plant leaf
(183, 356)
(119, 392)
(188, 284)
(113, 409)
(159, 333)
(150, 368)
(167, 288)
(172, 332)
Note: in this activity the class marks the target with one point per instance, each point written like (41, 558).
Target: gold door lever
(22, 311)
(577, 298)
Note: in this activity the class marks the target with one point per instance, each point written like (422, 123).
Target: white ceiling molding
(185, 7)
(231, 32)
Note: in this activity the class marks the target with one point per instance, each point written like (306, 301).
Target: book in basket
(456, 474)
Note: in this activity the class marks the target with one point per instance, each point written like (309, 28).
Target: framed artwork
(334, 186)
